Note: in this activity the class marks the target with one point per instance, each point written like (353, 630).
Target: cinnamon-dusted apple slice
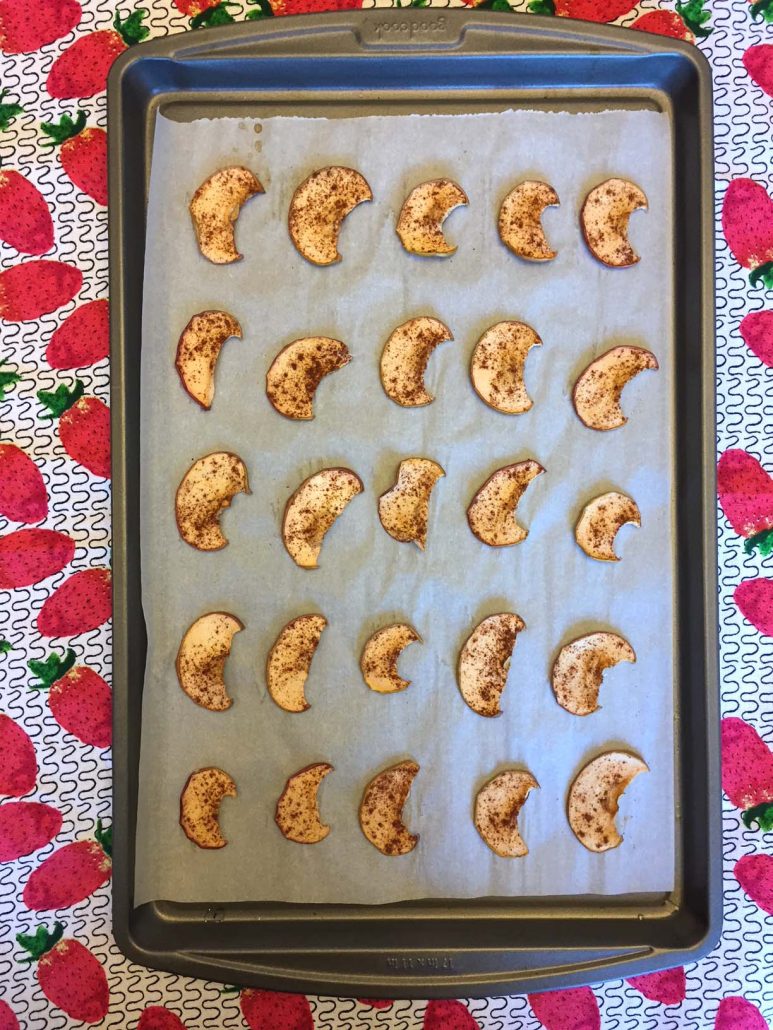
(381, 809)
(496, 366)
(297, 810)
(604, 220)
(404, 360)
(491, 514)
(579, 669)
(420, 223)
(207, 488)
(379, 657)
(497, 808)
(313, 509)
(404, 510)
(297, 371)
(200, 806)
(600, 521)
(198, 350)
(289, 661)
(201, 659)
(318, 208)
(520, 220)
(214, 209)
(592, 804)
(484, 662)
(598, 390)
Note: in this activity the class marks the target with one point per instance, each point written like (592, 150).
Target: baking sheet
(365, 578)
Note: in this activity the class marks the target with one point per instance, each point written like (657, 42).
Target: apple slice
(600, 521)
(318, 208)
(496, 367)
(484, 662)
(379, 657)
(604, 220)
(289, 661)
(598, 390)
(214, 209)
(313, 509)
(297, 810)
(579, 669)
(201, 659)
(520, 220)
(404, 360)
(207, 488)
(381, 809)
(200, 806)
(491, 514)
(592, 804)
(297, 371)
(426, 207)
(404, 510)
(497, 808)
(198, 350)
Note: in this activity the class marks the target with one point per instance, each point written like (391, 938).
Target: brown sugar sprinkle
(297, 810)
(200, 806)
(423, 213)
(520, 226)
(289, 661)
(215, 207)
(198, 349)
(600, 521)
(319, 206)
(378, 662)
(497, 807)
(381, 809)
(593, 798)
(579, 669)
(312, 510)
(604, 219)
(405, 356)
(297, 371)
(201, 659)
(598, 389)
(403, 510)
(491, 512)
(496, 366)
(206, 489)
(484, 662)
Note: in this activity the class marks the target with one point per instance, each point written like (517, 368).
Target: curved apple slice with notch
(593, 796)
(580, 666)
(200, 803)
(201, 659)
(297, 810)
(600, 521)
(597, 392)
(520, 220)
(484, 662)
(496, 366)
(214, 209)
(404, 509)
(198, 350)
(318, 208)
(497, 808)
(380, 654)
(313, 509)
(604, 220)
(297, 371)
(421, 218)
(404, 360)
(381, 809)
(289, 661)
(491, 514)
(207, 488)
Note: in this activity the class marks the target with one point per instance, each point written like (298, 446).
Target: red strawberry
(8, 1020)
(448, 1015)
(69, 975)
(71, 874)
(25, 220)
(686, 22)
(80, 700)
(746, 494)
(81, 70)
(757, 332)
(190, 8)
(739, 1014)
(754, 598)
(747, 772)
(18, 765)
(586, 10)
(155, 1017)
(84, 426)
(27, 25)
(81, 603)
(755, 875)
(275, 1010)
(747, 222)
(35, 288)
(669, 987)
(31, 555)
(23, 496)
(83, 338)
(758, 61)
(26, 826)
(376, 1003)
(83, 155)
(573, 1009)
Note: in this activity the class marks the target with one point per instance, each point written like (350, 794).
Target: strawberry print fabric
(59, 966)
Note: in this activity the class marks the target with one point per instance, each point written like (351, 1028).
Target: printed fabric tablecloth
(59, 966)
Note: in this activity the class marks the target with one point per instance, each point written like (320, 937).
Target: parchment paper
(366, 579)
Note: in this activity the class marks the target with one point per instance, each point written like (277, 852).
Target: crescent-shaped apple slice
(421, 218)
(491, 514)
(497, 808)
(297, 810)
(404, 360)
(214, 209)
(600, 521)
(598, 390)
(381, 809)
(592, 804)
(318, 208)
(379, 657)
(200, 806)
(207, 488)
(520, 220)
(484, 662)
(579, 669)
(404, 510)
(496, 366)
(604, 220)
(313, 509)
(201, 659)
(297, 371)
(289, 661)
(198, 350)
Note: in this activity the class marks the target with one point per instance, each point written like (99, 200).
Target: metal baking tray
(428, 60)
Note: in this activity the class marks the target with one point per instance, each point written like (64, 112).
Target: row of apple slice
(592, 805)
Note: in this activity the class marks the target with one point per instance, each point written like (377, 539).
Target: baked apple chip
(200, 806)
(198, 350)
(598, 390)
(297, 810)
(484, 662)
(497, 808)
(214, 209)
(600, 521)
(201, 659)
(592, 804)
(404, 360)
(380, 654)
(491, 514)
(381, 809)
(313, 509)
(421, 218)
(520, 220)
(207, 488)
(496, 367)
(297, 371)
(604, 220)
(289, 661)
(580, 666)
(404, 509)
(318, 208)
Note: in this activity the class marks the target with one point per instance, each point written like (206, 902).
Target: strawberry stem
(695, 17)
(541, 6)
(495, 5)
(40, 942)
(8, 111)
(7, 378)
(763, 273)
(61, 399)
(131, 30)
(762, 815)
(229, 989)
(762, 541)
(51, 670)
(104, 837)
(5, 646)
(211, 16)
(763, 8)
(66, 129)
(261, 9)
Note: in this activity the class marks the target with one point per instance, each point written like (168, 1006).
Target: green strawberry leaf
(413, 3)
(51, 670)
(762, 273)
(7, 379)
(219, 15)
(104, 837)
(61, 399)
(8, 111)
(695, 17)
(541, 7)
(66, 129)
(131, 30)
(229, 989)
(495, 5)
(40, 942)
(762, 815)
(762, 541)
(261, 9)
(5, 646)
(763, 9)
